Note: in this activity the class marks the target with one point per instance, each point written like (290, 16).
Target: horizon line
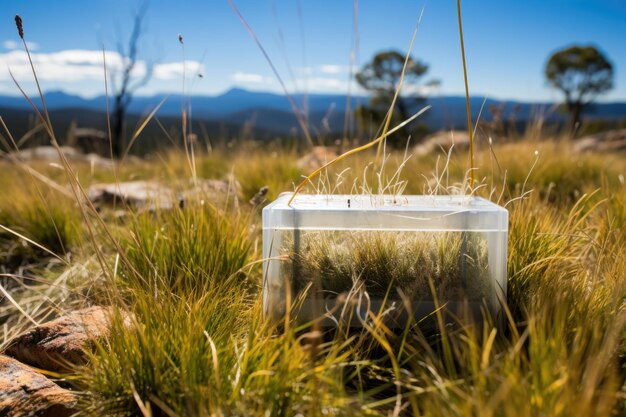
(281, 94)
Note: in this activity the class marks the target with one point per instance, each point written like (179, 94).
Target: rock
(611, 141)
(587, 143)
(318, 156)
(212, 190)
(151, 195)
(98, 161)
(59, 343)
(615, 146)
(24, 392)
(138, 194)
(50, 154)
(219, 188)
(45, 153)
(444, 141)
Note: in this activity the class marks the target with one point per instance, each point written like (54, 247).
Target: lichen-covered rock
(24, 392)
(152, 195)
(213, 190)
(51, 154)
(62, 342)
(611, 141)
(139, 194)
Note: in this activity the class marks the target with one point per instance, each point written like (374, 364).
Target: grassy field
(197, 343)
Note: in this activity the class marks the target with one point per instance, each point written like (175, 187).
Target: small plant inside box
(391, 254)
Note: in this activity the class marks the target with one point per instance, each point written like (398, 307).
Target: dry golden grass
(198, 344)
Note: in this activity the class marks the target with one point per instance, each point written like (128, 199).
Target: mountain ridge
(273, 112)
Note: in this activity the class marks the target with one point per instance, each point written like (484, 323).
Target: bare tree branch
(128, 84)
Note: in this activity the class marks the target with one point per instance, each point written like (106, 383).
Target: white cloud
(325, 85)
(331, 69)
(310, 84)
(11, 44)
(423, 90)
(81, 72)
(175, 70)
(75, 65)
(250, 78)
(68, 65)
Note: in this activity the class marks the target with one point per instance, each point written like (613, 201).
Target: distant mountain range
(269, 114)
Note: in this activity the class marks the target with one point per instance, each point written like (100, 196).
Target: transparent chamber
(350, 257)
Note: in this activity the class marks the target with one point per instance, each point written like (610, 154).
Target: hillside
(268, 115)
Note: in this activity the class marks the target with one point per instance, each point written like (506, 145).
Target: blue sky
(507, 42)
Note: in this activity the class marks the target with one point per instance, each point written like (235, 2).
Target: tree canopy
(581, 73)
(381, 76)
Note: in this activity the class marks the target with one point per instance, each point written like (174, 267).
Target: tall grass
(35, 222)
(196, 343)
(185, 251)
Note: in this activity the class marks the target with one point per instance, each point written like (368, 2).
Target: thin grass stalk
(186, 117)
(398, 88)
(39, 193)
(347, 121)
(467, 98)
(79, 192)
(106, 104)
(20, 31)
(142, 126)
(256, 40)
(26, 137)
(305, 89)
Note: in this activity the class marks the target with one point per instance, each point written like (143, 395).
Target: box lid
(385, 212)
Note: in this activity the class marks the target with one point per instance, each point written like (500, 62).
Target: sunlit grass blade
(142, 126)
(470, 131)
(354, 151)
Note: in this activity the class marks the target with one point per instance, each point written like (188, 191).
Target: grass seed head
(20, 26)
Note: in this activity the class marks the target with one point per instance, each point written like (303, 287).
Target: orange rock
(24, 392)
(59, 343)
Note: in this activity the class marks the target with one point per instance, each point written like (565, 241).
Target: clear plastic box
(384, 253)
